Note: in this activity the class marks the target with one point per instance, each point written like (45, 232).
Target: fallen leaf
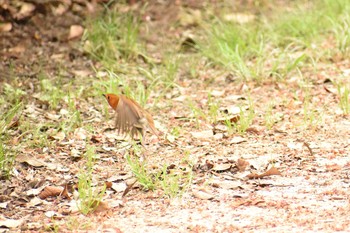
(203, 194)
(80, 134)
(217, 93)
(232, 119)
(203, 134)
(128, 188)
(171, 138)
(333, 167)
(18, 49)
(34, 202)
(237, 140)
(242, 164)
(119, 187)
(51, 214)
(76, 31)
(11, 223)
(59, 136)
(26, 10)
(5, 27)
(221, 167)
(101, 206)
(3, 205)
(30, 161)
(272, 171)
(53, 191)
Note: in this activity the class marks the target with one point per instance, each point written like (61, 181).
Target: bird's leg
(142, 137)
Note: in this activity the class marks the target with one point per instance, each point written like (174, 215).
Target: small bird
(131, 118)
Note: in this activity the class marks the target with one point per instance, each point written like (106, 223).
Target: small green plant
(7, 155)
(113, 36)
(7, 159)
(89, 197)
(245, 120)
(51, 92)
(269, 117)
(12, 94)
(143, 176)
(213, 108)
(311, 117)
(176, 131)
(197, 112)
(344, 96)
(229, 124)
(175, 182)
(75, 224)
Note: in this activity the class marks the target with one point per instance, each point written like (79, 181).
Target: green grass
(146, 179)
(113, 37)
(174, 182)
(89, 196)
(344, 97)
(278, 44)
(7, 152)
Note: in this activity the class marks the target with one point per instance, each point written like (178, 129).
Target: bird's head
(112, 100)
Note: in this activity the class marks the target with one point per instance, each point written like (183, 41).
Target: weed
(245, 120)
(269, 117)
(139, 169)
(213, 108)
(344, 96)
(175, 182)
(7, 160)
(197, 112)
(113, 35)
(89, 197)
(7, 154)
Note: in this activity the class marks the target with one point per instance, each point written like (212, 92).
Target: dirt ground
(234, 187)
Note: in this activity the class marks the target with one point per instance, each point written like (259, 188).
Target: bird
(131, 118)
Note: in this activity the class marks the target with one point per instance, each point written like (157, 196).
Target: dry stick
(308, 147)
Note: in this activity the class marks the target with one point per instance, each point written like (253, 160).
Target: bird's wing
(128, 115)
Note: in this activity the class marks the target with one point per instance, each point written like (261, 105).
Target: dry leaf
(53, 191)
(244, 202)
(10, 223)
(217, 93)
(108, 184)
(18, 49)
(3, 205)
(34, 202)
(76, 31)
(171, 138)
(242, 164)
(203, 134)
(80, 134)
(232, 119)
(221, 167)
(5, 27)
(59, 136)
(333, 167)
(272, 171)
(26, 10)
(128, 188)
(101, 206)
(203, 194)
(31, 161)
(237, 140)
(119, 187)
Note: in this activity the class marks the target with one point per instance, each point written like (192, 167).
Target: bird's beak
(104, 95)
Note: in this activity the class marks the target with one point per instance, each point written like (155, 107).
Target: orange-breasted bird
(131, 118)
